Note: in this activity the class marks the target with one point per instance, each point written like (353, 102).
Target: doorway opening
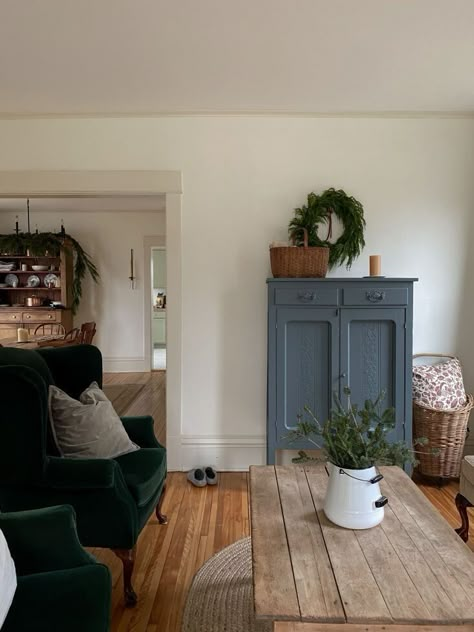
(158, 308)
(122, 184)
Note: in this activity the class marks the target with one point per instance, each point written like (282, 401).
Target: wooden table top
(411, 569)
(31, 344)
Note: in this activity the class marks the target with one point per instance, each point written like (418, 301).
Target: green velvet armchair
(112, 498)
(59, 585)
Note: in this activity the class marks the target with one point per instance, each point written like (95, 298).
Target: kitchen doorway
(158, 308)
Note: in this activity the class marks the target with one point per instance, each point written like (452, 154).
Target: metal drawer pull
(307, 297)
(50, 316)
(375, 296)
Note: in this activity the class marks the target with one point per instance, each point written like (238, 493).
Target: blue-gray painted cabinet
(325, 334)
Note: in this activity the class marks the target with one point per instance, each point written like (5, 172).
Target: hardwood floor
(200, 523)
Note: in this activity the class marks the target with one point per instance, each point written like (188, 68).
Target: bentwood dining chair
(74, 335)
(50, 329)
(88, 332)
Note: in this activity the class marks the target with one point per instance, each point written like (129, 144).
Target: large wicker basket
(299, 262)
(446, 433)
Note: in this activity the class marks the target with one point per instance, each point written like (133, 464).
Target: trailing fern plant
(354, 438)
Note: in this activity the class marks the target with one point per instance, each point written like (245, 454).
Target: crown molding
(382, 114)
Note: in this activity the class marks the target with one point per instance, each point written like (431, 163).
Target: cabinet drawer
(10, 317)
(375, 296)
(40, 317)
(306, 296)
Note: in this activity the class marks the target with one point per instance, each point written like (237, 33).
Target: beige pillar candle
(22, 335)
(375, 265)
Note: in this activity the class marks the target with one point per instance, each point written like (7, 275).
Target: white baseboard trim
(223, 452)
(125, 365)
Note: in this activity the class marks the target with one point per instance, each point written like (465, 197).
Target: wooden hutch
(14, 310)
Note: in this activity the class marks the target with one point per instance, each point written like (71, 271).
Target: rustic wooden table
(33, 342)
(410, 573)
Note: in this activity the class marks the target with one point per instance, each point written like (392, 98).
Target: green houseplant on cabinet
(316, 254)
(353, 442)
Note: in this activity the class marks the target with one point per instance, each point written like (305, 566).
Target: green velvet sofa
(59, 585)
(113, 498)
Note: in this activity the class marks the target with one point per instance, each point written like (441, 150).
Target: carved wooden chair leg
(462, 504)
(162, 519)
(128, 560)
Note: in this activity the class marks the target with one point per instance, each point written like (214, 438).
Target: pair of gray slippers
(202, 476)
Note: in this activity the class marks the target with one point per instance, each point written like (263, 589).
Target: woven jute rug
(221, 596)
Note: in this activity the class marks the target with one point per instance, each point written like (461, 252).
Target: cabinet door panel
(307, 365)
(373, 358)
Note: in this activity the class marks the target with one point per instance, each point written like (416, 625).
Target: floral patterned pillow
(439, 385)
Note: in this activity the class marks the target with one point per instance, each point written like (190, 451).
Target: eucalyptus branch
(355, 438)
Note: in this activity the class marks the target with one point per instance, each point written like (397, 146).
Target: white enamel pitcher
(353, 498)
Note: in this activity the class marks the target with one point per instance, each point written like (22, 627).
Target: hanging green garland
(319, 210)
(37, 244)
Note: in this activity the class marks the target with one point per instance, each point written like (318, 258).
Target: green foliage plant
(38, 244)
(354, 438)
(319, 210)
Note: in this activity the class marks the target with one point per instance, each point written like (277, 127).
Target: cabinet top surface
(367, 279)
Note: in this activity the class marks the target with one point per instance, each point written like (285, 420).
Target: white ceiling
(315, 56)
(137, 204)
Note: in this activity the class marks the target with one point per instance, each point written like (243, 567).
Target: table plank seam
(287, 540)
(252, 499)
(420, 527)
(325, 544)
(403, 620)
(439, 585)
(350, 617)
(433, 549)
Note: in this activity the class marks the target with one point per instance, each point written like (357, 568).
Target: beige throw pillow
(89, 428)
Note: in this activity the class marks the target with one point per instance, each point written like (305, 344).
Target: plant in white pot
(353, 442)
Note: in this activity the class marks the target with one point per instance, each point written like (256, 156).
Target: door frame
(150, 242)
(117, 183)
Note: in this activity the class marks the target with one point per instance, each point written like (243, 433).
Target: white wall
(242, 176)
(117, 310)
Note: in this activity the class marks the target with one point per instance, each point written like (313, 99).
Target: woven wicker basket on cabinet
(299, 262)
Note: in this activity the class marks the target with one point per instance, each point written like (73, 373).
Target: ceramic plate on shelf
(4, 304)
(50, 279)
(33, 281)
(11, 279)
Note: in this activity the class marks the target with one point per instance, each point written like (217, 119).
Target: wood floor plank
(316, 587)
(361, 596)
(274, 583)
(136, 619)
